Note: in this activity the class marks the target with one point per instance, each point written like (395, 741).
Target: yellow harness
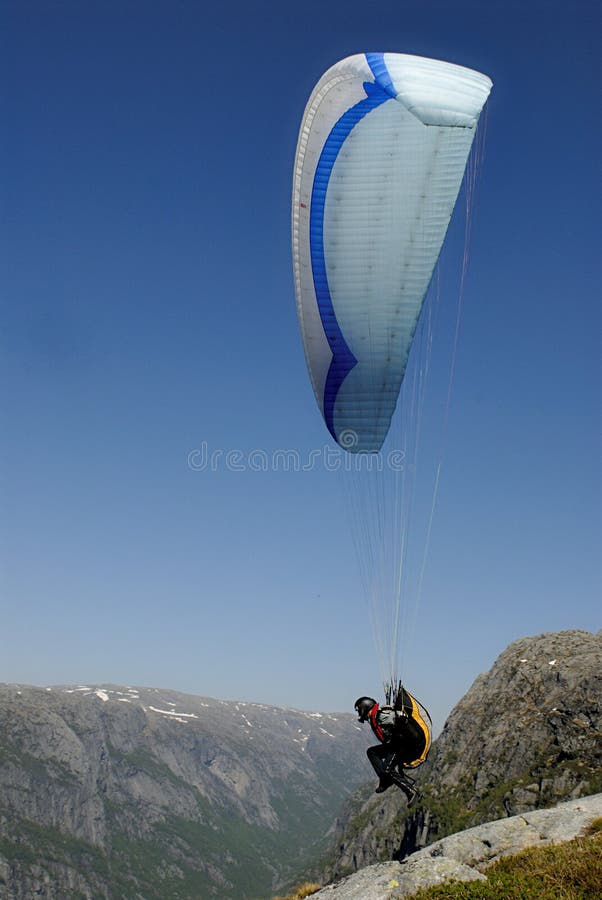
(422, 719)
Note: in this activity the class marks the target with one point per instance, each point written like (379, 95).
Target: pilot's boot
(384, 784)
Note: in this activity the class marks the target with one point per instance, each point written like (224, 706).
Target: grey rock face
(113, 791)
(541, 704)
(527, 735)
(466, 856)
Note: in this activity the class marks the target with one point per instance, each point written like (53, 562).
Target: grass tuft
(303, 890)
(594, 827)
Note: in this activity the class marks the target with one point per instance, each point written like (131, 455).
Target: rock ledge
(462, 856)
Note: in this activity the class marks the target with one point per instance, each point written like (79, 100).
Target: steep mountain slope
(110, 791)
(527, 735)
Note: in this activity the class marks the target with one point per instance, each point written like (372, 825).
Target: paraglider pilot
(403, 742)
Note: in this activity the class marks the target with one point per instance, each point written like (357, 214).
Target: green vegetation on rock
(569, 871)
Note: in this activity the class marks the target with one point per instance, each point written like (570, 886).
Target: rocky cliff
(468, 855)
(527, 735)
(122, 792)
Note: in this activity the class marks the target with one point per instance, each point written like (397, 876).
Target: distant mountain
(527, 735)
(121, 792)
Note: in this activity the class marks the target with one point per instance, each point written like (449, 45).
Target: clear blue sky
(148, 307)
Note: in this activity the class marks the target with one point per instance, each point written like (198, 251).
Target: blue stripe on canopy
(343, 359)
(378, 67)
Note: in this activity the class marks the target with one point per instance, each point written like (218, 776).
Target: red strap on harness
(374, 724)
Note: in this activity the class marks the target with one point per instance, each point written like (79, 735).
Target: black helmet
(363, 707)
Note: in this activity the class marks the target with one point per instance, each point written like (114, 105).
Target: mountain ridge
(164, 794)
(138, 792)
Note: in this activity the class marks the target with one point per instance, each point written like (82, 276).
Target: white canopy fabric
(380, 159)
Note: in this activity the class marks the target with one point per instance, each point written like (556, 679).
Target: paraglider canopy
(380, 159)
